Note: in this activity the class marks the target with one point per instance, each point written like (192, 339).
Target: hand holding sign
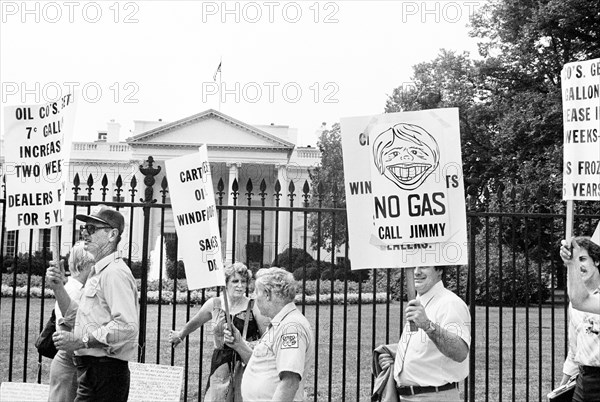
(55, 275)
(415, 312)
(570, 251)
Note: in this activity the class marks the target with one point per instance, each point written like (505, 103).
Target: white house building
(236, 150)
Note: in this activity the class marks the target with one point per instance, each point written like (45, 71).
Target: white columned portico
(229, 240)
(284, 201)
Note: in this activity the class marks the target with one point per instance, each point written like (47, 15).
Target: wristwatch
(85, 340)
(430, 328)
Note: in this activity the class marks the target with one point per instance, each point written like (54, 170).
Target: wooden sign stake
(227, 316)
(410, 291)
(569, 225)
(55, 247)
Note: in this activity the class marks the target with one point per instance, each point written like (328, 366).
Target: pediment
(211, 128)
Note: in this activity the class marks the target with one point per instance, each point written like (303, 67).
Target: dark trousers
(587, 388)
(101, 379)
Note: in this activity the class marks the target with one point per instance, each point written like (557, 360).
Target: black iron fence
(514, 286)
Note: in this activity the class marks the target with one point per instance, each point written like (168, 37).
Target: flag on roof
(217, 72)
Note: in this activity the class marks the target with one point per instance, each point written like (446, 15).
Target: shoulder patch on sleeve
(289, 341)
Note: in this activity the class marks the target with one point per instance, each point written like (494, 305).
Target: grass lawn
(526, 345)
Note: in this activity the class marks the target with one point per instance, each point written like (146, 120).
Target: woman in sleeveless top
(223, 359)
(63, 372)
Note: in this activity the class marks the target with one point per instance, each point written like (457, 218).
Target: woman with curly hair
(224, 358)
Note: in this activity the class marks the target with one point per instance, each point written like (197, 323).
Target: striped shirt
(584, 340)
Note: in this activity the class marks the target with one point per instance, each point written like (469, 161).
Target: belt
(88, 360)
(415, 389)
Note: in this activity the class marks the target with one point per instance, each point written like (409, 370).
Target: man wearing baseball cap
(105, 330)
(582, 258)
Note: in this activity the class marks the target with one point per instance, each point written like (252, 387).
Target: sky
(283, 62)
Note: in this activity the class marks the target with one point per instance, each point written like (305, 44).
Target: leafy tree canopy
(328, 191)
(509, 99)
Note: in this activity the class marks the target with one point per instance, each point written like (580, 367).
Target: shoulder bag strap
(248, 309)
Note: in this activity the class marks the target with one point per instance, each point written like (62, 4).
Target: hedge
(196, 295)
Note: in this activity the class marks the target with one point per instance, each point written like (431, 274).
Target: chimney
(113, 131)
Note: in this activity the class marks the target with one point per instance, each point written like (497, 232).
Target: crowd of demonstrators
(277, 365)
(104, 321)
(63, 373)
(97, 311)
(224, 358)
(582, 258)
(430, 362)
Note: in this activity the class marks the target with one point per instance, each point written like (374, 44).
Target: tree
(328, 191)
(525, 45)
(509, 102)
(299, 258)
(450, 80)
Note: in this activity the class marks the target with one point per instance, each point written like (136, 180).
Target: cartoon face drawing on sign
(406, 154)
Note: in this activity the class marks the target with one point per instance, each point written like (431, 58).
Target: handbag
(44, 342)
(234, 391)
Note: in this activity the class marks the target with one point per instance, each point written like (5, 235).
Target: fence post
(149, 172)
(472, 192)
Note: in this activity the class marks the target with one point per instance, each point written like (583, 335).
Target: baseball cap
(104, 215)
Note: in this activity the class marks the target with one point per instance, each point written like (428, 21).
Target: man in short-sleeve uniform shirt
(277, 367)
(432, 361)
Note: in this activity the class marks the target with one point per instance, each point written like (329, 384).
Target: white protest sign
(404, 189)
(581, 121)
(37, 145)
(195, 215)
(155, 382)
(23, 391)
(596, 235)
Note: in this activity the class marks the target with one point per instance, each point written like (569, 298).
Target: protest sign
(596, 235)
(581, 120)
(37, 144)
(155, 382)
(404, 189)
(23, 391)
(195, 215)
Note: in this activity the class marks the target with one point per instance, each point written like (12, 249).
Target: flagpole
(220, 81)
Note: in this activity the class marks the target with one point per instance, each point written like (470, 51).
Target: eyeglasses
(91, 229)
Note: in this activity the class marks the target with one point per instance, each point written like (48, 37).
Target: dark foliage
(299, 258)
(38, 264)
(254, 252)
(175, 270)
